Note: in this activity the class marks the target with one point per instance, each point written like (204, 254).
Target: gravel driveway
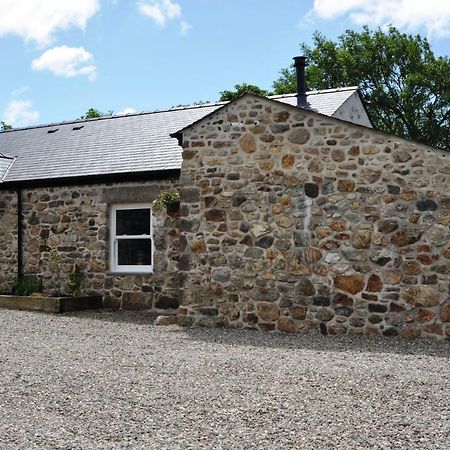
(112, 380)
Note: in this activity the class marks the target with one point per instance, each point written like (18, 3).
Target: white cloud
(160, 11)
(20, 91)
(66, 62)
(185, 27)
(20, 113)
(432, 15)
(153, 11)
(172, 10)
(38, 20)
(126, 111)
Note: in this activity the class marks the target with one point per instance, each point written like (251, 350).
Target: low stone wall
(50, 304)
(294, 221)
(69, 225)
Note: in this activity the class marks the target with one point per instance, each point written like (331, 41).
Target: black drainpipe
(19, 236)
(300, 66)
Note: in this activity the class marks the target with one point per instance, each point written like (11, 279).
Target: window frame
(115, 267)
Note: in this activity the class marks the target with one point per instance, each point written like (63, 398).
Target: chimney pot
(300, 66)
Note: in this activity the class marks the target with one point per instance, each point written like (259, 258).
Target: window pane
(132, 222)
(134, 252)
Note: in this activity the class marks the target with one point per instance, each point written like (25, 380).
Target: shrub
(76, 277)
(27, 285)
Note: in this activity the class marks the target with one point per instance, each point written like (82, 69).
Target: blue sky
(60, 58)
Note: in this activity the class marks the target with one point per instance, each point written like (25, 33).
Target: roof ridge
(317, 92)
(157, 111)
(114, 116)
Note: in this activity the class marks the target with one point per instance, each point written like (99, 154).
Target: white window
(131, 238)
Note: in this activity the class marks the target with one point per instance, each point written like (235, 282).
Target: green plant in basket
(167, 199)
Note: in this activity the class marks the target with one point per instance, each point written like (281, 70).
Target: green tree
(93, 113)
(197, 103)
(4, 126)
(240, 89)
(405, 86)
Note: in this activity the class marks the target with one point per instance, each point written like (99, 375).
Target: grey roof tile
(325, 102)
(117, 144)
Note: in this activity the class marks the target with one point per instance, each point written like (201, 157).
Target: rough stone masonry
(293, 221)
(63, 226)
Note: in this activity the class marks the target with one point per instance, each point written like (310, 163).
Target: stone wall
(8, 240)
(294, 221)
(69, 225)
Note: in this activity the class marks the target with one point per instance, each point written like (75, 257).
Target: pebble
(104, 380)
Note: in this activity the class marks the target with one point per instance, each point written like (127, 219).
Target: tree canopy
(240, 89)
(406, 88)
(93, 113)
(4, 126)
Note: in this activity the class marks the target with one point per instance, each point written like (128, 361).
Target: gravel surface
(112, 380)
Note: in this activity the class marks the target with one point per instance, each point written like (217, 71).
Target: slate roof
(327, 101)
(118, 144)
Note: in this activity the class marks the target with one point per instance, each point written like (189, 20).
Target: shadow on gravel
(131, 317)
(317, 342)
(252, 338)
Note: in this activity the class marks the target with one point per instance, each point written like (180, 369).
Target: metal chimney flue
(300, 66)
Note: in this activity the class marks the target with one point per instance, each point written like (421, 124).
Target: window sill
(123, 274)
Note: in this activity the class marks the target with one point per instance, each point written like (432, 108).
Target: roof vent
(54, 130)
(78, 127)
(300, 66)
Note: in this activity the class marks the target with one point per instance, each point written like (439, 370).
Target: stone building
(290, 219)
(69, 179)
